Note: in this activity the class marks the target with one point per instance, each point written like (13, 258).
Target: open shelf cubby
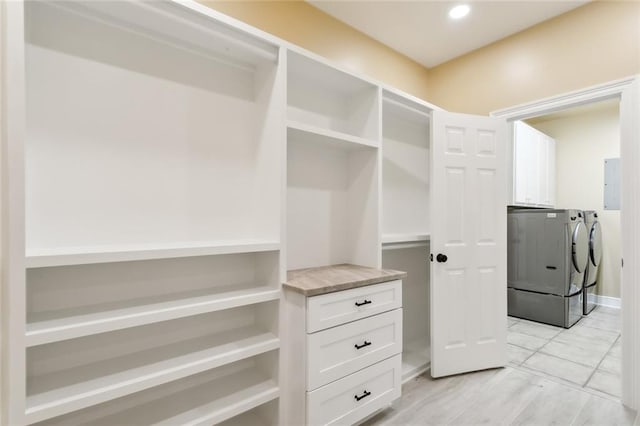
(406, 219)
(326, 98)
(147, 124)
(229, 395)
(79, 373)
(405, 170)
(332, 203)
(414, 261)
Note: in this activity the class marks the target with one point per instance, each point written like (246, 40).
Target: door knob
(441, 258)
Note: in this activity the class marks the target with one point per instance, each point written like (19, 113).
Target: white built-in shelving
(68, 324)
(212, 397)
(403, 241)
(332, 166)
(150, 240)
(314, 134)
(406, 232)
(61, 386)
(40, 258)
(325, 97)
(147, 146)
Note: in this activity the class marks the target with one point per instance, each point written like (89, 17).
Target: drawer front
(352, 398)
(329, 310)
(340, 351)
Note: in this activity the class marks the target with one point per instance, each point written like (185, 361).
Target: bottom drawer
(354, 397)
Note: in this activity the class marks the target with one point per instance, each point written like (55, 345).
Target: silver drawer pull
(364, 395)
(364, 345)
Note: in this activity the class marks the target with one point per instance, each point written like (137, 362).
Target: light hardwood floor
(553, 378)
(506, 396)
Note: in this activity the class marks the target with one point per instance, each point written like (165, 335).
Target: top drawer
(329, 310)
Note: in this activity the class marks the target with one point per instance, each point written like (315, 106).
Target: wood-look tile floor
(555, 377)
(586, 355)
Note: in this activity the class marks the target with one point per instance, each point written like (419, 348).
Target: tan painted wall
(592, 44)
(314, 30)
(583, 142)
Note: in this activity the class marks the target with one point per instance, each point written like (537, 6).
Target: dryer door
(580, 247)
(595, 244)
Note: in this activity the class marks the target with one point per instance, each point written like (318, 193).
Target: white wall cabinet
(163, 167)
(533, 167)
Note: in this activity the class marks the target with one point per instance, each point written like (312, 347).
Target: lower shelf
(206, 399)
(416, 359)
(62, 392)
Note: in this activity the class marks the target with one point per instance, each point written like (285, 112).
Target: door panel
(469, 289)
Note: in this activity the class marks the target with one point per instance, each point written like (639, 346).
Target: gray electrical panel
(612, 184)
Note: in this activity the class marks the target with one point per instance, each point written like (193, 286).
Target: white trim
(609, 302)
(550, 105)
(628, 91)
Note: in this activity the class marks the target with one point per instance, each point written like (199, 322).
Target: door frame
(627, 90)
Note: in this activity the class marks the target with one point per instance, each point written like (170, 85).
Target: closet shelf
(211, 403)
(407, 111)
(245, 419)
(388, 239)
(313, 134)
(65, 256)
(181, 25)
(62, 392)
(67, 325)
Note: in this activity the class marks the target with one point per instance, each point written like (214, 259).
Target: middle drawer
(342, 350)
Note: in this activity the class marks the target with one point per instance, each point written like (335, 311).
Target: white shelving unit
(145, 269)
(157, 190)
(39, 258)
(62, 380)
(405, 226)
(322, 96)
(332, 166)
(229, 395)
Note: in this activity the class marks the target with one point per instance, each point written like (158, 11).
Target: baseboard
(610, 302)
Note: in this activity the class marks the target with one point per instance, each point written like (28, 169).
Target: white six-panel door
(468, 222)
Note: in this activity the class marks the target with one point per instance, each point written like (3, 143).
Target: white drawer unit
(354, 397)
(344, 343)
(329, 310)
(339, 351)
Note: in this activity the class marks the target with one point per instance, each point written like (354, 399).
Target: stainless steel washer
(547, 259)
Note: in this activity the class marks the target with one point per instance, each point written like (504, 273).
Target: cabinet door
(520, 163)
(551, 171)
(542, 148)
(468, 300)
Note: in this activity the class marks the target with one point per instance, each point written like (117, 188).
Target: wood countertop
(327, 279)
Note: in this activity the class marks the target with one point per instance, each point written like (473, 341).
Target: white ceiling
(423, 30)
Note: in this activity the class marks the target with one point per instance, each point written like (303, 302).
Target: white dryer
(595, 258)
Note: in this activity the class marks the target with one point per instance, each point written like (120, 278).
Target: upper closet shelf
(180, 24)
(314, 134)
(403, 106)
(40, 258)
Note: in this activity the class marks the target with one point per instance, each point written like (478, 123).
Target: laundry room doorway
(593, 135)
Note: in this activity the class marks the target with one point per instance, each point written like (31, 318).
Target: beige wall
(314, 30)
(592, 44)
(583, 142)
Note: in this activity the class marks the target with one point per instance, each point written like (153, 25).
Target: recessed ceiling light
(459, 11)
